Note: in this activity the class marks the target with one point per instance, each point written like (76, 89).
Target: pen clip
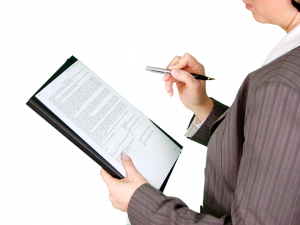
(158, 70)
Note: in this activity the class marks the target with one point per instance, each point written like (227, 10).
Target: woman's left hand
(122, 190)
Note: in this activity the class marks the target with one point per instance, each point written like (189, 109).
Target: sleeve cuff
(193, 128)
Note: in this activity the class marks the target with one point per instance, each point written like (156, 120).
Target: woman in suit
(253, 156)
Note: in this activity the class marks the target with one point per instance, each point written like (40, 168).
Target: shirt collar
(288, 43)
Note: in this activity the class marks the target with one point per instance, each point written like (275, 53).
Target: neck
(294, 22)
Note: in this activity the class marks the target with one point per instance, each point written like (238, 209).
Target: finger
(170, 93)
(188, 62)
(185, 77)
(105, 177)
(169, 83)
(172, 79)
(173, 60)
(128, 166)
(168, 86)
(167, 77)
(182, 62)
(102, 174)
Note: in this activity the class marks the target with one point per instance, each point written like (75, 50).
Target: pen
(165, 71)
(202, 77)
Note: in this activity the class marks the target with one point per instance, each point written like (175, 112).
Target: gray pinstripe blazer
(252, 173)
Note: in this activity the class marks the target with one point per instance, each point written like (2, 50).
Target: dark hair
(296, 4)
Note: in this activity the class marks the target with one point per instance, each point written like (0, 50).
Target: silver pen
(162, 71)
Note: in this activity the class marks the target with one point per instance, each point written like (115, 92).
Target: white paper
(109, 123)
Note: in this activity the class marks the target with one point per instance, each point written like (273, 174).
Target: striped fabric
(252, 173)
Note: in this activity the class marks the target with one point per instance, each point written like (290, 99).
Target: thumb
(185, 77)
(128, 165)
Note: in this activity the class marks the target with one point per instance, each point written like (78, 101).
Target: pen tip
(211, 78)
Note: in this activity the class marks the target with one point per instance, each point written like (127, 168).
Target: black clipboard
(59, 125)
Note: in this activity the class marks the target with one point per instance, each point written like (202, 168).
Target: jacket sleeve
(202, 135)
(267, 190)
(150, 206)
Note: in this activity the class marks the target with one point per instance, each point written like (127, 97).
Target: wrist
(202, 111)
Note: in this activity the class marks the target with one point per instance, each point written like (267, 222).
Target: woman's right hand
(192, 92)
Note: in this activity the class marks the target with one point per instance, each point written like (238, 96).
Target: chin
(259, 19)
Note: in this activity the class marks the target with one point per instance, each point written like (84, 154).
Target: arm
(267, 190)
(150, 206)
(203, 110)
(268, 185)
(202, 134)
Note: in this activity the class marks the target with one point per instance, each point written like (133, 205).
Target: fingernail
(164, 77)
(175, 72)
(125, 157)
(171, 66)
(169, 93)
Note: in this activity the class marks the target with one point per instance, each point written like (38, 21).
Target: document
(109, 123)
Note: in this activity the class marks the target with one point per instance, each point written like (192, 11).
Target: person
(253, 155)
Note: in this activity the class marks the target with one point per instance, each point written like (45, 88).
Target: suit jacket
(252, 173)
